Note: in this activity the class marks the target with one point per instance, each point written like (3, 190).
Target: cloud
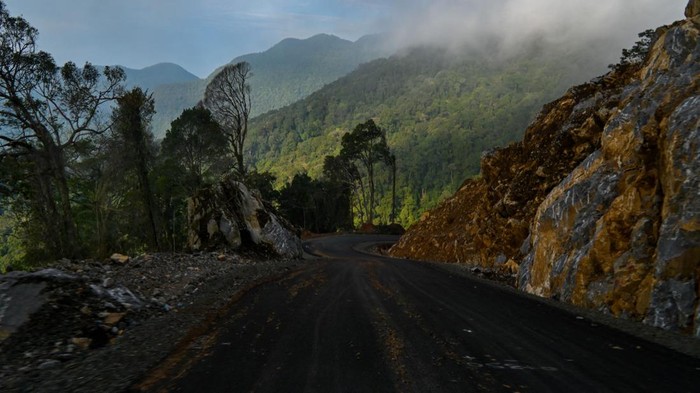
(204, 34)
(505, 26)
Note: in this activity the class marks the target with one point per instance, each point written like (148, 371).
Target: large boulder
(229, 215)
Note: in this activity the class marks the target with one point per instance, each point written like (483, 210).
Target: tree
(197, 145)
(345, 177)
(367, 146)
(392, 160)
(228, 98)
(132, 119)
(317, 205)
(263, 182)
(45, 112)
(638, 52)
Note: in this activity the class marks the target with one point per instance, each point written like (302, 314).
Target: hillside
(285, 73)
(440, 111)
(598, 204)
(158, 74)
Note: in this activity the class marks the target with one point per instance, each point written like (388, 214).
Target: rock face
(599, 205)
(693, 9)
(231, 216)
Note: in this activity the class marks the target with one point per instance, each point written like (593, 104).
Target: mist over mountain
(440, 111)
(506, 28)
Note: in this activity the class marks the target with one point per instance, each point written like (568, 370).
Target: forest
(440, 111)
(82, 174)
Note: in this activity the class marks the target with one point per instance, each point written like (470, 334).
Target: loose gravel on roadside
(82, 343)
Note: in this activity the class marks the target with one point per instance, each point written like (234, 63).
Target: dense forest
(440, 112)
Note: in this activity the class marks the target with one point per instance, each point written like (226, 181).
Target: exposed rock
(693, 9)
(228, 215)
(113, 318)
(119, 258)
(22, 294)
(600, 202)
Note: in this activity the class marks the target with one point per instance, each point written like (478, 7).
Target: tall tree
(132, 119)
(367, 146)
(193, 153)
(45, 111)
(345, 178)
(197, 144)
(228, 98)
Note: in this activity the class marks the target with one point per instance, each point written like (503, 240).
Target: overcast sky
(201, 35)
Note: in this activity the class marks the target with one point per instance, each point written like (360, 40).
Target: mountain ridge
(286, 72)
(439, 111)
(155, 75)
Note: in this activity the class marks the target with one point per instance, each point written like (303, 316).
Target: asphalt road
(353, 322)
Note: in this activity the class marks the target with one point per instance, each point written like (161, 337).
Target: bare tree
(228, 98)
(44, 112)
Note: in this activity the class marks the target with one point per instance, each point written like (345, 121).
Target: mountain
(158, 74)
(439, 110)
(285, 73)
(598, 204)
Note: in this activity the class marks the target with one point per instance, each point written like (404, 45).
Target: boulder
(22, 294)
(229, 215)
(119, 258)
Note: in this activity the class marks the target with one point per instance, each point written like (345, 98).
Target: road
(353, 322)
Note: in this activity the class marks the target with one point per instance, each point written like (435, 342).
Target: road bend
(349, 321)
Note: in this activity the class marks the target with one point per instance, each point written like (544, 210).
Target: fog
(505, 27)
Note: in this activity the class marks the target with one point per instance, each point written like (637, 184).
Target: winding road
(349, 321)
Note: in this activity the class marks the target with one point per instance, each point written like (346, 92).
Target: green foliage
(12, 252)
(49, 115)
(193, 154)
(195, 148)
(128, 191)
(361, 150)
(264, 182)
(439, 112)
(320, 206)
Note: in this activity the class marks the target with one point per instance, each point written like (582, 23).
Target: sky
(201, 35)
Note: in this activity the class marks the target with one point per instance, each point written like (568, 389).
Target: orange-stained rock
(599, 205)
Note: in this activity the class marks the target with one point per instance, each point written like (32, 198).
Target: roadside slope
(597, 205)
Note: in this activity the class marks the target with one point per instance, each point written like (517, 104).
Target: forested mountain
(158, 74)
(153, 76)
(440, 112)
(285, 73)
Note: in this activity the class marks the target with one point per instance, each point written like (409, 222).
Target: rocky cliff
(599, 205)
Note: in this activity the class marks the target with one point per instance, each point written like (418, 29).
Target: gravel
(108, 327)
